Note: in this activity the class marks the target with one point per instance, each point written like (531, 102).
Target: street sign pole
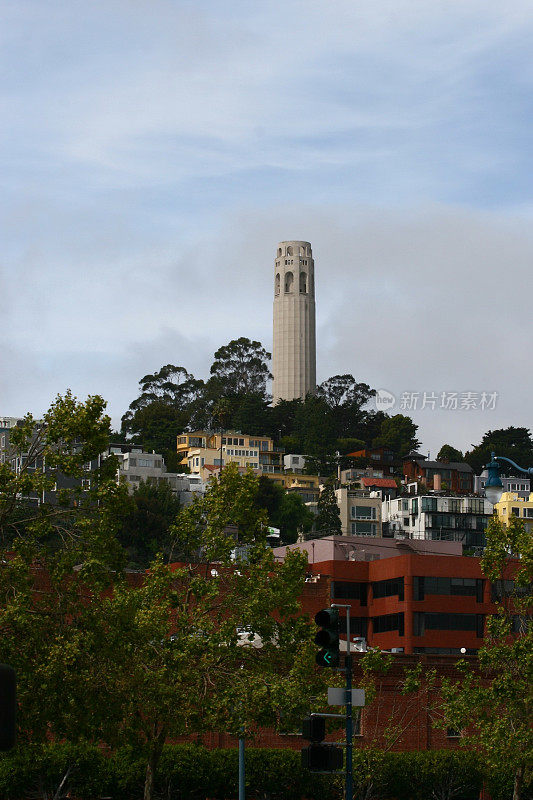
(348, 791)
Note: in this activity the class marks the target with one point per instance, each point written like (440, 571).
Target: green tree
(293, 516)
(269, 497)
(328, 521)
(513, 443)
(144, 533)
(167, 401)
(399, 434)
(449, 454)
(494, 703)
(241, 367)
(105, 657)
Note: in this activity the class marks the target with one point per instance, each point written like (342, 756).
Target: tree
(144, 533)
(104, 656)
(241, 367)
(399, 434)
(164, 408)
(513, 443)
(450, 454)
(494, 703)
(328, 520)
(293, 516)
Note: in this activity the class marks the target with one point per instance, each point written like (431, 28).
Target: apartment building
(135, 466)
(453, 476)
(438, 517)
(360, 511)
(206, 452)
(511, 503)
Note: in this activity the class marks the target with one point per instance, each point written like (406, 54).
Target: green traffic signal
(328, 637)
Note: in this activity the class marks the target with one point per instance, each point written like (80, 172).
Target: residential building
(294, 342)
(135, 466)
(293, 462)
(206, 452)
(521, 485)
(453, 476)
(381, 458)
(511, 503)
(360, 511)
(438, 517)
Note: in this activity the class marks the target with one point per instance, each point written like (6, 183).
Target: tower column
(294, 346)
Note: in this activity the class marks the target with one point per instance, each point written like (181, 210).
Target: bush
(190, 772)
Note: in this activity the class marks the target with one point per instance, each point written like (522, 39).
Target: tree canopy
(513, 443)
(108, 656)
(493, 704)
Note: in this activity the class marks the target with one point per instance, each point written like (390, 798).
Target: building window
(363, 528)
(462, 587)
(429, 621)
(363, 512)
(388, 622)
(515, 511)
(289, 279)
(349, 590)
(278, 283)
(303, 283)
(453, 733)
(388, 588)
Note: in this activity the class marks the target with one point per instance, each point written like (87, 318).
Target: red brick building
(409, 596)
(452, 476)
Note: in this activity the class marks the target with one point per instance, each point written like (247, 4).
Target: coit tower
(294, 346)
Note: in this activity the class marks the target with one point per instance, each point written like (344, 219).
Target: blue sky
(154, 153)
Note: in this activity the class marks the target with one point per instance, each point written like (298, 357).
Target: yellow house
(511, 503)
(205, 452)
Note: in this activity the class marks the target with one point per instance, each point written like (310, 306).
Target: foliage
(135, 659)
(328, 519)
(494, 704)
(513, 443)
(241, 367)
(145, 526)
(450, 454)
(186, 772)
(293, 516)
(399, 434)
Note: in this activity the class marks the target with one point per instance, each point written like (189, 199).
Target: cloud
(154, 153)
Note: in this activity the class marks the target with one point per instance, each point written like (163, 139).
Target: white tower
(294, 346)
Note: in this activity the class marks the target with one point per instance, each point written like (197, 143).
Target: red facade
(387, 591)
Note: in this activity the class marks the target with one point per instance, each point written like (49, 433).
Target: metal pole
(349, 723)
(241, 766)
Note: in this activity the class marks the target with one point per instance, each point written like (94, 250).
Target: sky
(154, 152)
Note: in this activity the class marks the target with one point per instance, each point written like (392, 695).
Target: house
(438, 517)
(453, 476)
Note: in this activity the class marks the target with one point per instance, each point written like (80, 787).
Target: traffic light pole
(348, 792)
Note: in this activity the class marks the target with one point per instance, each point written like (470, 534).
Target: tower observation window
(277, 286)
(303, 283)
(289, 279)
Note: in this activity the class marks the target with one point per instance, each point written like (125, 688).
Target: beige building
(205, 452)
(294, 345)
(360, 512)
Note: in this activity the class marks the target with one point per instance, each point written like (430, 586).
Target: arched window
(302, 251)
(303, 282)
(289, 251)
(277, 283)
(279, 251)
(289, 279)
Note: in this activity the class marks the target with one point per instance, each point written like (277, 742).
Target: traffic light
(319, 757)
(327, 637)
(8, 707)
